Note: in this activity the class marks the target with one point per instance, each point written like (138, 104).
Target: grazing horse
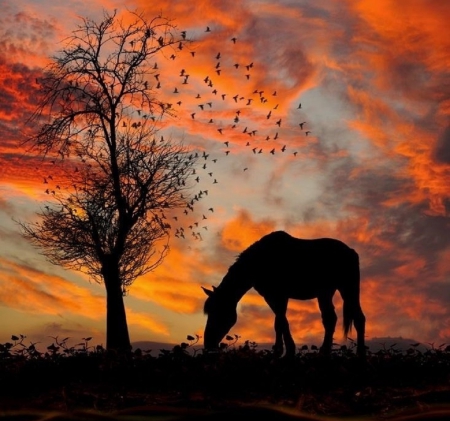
(280, 267)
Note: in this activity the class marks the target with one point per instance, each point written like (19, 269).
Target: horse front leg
(283, 335)
(278, 346)
(329, 319)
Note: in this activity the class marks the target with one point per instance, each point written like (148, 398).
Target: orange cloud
(34, 292)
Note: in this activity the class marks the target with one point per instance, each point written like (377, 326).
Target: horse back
(303, 268)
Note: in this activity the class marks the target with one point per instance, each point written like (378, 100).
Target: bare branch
(98, 115)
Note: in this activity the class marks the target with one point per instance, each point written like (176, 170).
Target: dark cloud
(442, 149)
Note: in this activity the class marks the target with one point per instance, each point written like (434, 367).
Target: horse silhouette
(279, 267)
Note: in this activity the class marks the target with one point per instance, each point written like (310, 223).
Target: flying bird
(301, 124)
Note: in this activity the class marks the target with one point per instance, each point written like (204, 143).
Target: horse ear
(208, 292)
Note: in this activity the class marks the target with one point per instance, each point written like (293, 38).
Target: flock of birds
(219, 113)
(253, 120)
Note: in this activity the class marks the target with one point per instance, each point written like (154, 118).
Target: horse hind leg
(329, 320)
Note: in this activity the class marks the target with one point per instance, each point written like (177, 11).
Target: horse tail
(350, 292)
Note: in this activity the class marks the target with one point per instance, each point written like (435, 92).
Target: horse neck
(234, 285)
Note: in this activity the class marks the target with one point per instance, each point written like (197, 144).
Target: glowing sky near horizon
(373, 79)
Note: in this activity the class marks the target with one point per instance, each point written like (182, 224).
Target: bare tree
(98, 120)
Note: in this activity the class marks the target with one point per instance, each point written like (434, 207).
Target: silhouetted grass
(89, 377)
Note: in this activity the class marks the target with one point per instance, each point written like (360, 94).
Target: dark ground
(177, 385)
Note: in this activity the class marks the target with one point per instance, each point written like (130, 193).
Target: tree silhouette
(98, 120)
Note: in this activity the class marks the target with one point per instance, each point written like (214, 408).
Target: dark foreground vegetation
(186, 381)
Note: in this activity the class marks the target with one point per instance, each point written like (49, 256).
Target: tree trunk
(117, 337)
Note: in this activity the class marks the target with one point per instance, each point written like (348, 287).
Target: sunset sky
(373, 80)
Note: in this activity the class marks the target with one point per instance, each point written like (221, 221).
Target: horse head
(222, 315)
